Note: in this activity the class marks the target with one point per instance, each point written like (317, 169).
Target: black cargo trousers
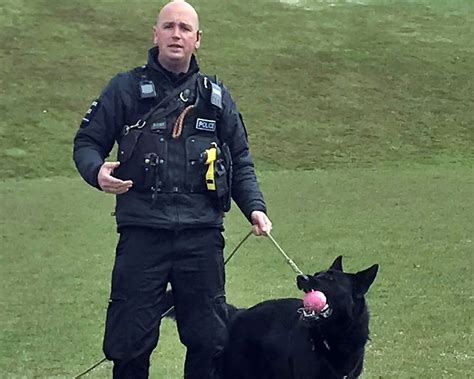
(146, 261)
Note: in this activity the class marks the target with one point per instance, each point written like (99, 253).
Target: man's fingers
(121, 191)
(115, 182)
(113, 185)
(255, 230)
(265, 227)
(258, 231)
(111, 165)
(116, 190)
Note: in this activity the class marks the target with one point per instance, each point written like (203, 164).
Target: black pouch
(195, 167)
(223, 178)
(127, 147)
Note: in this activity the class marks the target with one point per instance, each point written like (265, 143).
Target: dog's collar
(310, 315)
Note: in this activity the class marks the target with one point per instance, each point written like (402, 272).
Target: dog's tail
(169, 312)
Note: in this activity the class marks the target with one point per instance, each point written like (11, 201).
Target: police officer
(182, 155)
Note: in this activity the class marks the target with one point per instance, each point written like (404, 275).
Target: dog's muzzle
(311, 315)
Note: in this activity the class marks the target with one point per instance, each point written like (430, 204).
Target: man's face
(177, 34)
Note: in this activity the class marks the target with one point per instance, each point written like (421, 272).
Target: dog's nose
(301, 280)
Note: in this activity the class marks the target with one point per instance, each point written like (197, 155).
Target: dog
(280, 339)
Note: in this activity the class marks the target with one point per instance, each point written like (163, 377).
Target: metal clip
(138, 125)
(184, 95)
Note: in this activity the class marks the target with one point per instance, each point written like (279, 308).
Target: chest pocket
(143, 159)
(195, 161)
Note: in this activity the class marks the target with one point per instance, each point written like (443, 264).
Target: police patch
(206, 125)
(90, 113)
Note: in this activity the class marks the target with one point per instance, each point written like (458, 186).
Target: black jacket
(121, 104)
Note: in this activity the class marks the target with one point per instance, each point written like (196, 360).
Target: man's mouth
(175, 46)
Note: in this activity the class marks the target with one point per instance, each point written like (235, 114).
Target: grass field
(360, 115)
(415, 222)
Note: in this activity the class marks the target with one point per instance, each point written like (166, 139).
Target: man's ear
(197, 44)
(155, 36)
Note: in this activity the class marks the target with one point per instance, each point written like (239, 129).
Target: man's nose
(176, 32)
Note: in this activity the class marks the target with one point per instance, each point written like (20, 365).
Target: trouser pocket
(117, 337)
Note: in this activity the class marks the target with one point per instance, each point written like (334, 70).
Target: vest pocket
(195, 162)
(224, 178)
(127, 145)
(125, 152)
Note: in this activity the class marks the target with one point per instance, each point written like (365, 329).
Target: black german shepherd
(278, 339)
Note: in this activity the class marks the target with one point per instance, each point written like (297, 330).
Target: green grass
(415, 222)
(360, 120)
(386, 81)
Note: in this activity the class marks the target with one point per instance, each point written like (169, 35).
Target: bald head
(180, 7)
(177, 35)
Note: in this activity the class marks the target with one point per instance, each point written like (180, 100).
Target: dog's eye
(326, 276)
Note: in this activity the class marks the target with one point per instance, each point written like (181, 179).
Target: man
(182, 153)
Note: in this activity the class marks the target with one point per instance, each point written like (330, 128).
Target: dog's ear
(364, 279)
(300, 280)
(337, 264)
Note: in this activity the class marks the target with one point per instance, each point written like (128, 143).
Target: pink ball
(314, 301)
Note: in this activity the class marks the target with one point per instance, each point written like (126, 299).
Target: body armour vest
(174, 147)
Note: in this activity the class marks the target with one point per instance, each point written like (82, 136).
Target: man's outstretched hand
(110, 184)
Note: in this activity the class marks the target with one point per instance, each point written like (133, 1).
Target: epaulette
(209, 88)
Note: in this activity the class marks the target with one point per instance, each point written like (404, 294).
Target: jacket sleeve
(245, 188)
(101, 127)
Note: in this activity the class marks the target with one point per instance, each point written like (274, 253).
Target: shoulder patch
(90, 113)
(216, 95)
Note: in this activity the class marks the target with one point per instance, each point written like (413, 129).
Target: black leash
(237, 247)
(91, 368)
(170, 309)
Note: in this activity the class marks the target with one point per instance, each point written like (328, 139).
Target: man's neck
(175, 68)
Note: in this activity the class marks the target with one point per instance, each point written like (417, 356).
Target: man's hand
(261, 223)
(110, 184)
